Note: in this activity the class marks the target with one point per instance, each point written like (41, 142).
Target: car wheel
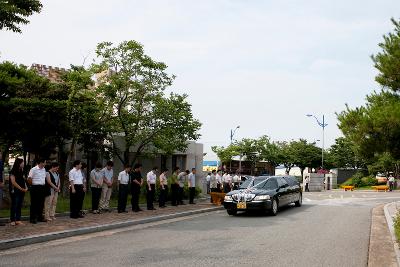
(299, 202)
(231, 212)
(274, 207)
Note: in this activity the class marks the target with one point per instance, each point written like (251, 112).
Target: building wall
(191, 158)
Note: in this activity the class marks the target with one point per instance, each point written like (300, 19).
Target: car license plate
(241, 205)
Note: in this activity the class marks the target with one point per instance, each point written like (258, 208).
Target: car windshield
(251, 182)
(259, 184)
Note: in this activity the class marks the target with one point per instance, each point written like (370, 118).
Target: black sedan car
(268, 194)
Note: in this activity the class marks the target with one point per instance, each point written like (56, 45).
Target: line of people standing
(44, 187)
(218, 182)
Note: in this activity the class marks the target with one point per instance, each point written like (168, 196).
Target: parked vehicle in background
(382, 179)
(264, 194)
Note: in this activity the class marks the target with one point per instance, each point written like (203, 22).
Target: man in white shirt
(77, 191)
(219, 180)
(163, 189)
(151, 188)
(208, 182)
(213, 183)
(123, 188)
(227, 183)
(181, 180)
(391, 182)
(37, 179)
(192, 186)
(236, 181)
(307, 184)
(108, 179)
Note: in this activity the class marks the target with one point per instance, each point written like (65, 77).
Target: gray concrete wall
(316, 182)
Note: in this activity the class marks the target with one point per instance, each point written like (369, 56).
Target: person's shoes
(2, 224)
(81, 216)
(19, 223)
(33, 221)
(53, 218)
(12, 223)
(192, 203)
(174, 205)
(42, 220)
(151, 209)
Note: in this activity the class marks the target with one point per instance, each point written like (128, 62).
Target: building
(185, 160)
(54, 74)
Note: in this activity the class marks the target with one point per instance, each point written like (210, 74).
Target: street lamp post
(323, 125)
(232, 135)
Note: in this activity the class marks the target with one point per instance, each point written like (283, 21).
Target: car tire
(231, 212)
(274, 207)
(299, 202)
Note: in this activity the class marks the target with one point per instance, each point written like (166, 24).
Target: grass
(63, 204)
(397, 226)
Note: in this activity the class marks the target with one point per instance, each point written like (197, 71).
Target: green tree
(33, 108)
(15, 12)
(384, 163)
(131, 86)
(342, 155)
(225, 154)
(305, 154)
(387, 62)
(270, 151)
(374, 128)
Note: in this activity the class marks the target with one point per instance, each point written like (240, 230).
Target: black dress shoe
(33, 221)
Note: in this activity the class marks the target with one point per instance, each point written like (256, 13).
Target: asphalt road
(330, 229)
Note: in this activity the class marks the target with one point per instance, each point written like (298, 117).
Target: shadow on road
(283, 211)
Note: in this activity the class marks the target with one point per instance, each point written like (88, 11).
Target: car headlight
(262, 197)
(228, 198)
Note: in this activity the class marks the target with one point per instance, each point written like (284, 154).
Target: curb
(18, 242)
(66, 214)
(389, 220)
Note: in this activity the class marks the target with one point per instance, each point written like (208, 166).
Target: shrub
(397, 226)
(359, 180)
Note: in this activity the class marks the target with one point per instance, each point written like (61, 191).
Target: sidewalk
(381, 248)
(14, 236)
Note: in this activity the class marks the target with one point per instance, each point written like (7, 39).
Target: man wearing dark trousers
(192, 186)
(151, 188)
(181, 180)
(123, 183)
(174, 187)
(136, 183)
(37, 177)
(77, 191)
(163, 189)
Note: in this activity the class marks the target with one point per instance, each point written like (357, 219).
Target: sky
(260, 65)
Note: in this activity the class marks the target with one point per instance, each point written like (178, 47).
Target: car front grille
(243, 197)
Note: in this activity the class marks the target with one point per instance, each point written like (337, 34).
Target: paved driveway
(330, 229)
